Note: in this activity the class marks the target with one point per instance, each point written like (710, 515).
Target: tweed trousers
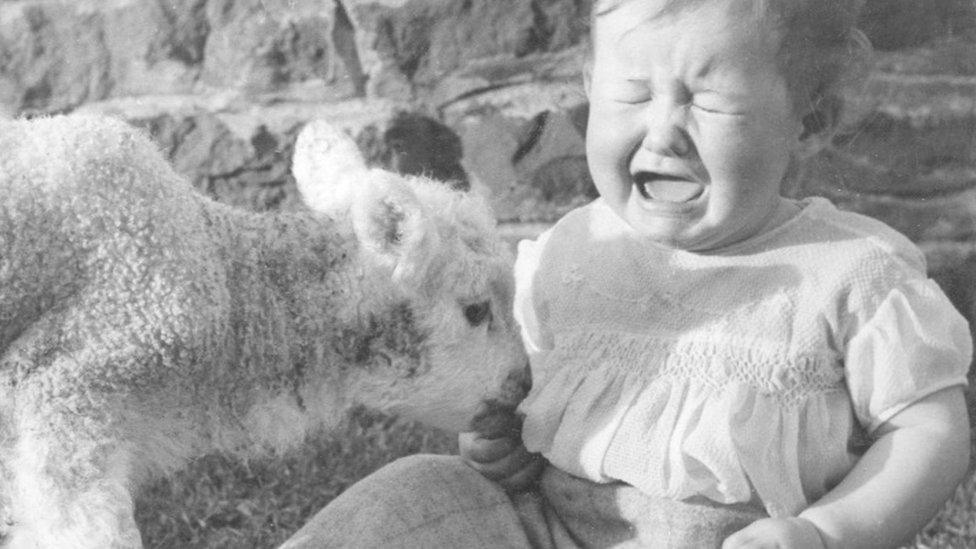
(428, 501)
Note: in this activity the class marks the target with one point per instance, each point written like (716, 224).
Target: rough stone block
(838, 170)
(953, 266)
(240, 153)
(525, 146)
(265, 45)
(58, 54)
(416, 43)
(52, 57)
(946, 56)
(155, 47)
(906, 153)
(895, 24)
(949, 217)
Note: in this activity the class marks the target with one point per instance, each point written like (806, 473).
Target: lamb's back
(99, 238)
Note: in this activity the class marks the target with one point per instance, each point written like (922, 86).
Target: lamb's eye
(477, 313)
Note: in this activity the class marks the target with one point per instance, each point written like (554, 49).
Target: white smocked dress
(745, 375)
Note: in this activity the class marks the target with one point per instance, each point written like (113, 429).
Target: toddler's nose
(666, 135)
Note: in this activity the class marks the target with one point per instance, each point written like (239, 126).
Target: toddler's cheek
(610, 151)
(742, 158)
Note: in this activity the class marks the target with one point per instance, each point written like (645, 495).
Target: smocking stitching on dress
(789, 378)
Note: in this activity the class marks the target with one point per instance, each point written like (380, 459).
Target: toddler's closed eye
(718, 102)
(717, 109)
(631, 91)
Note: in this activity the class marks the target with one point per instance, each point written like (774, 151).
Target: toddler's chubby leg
(417, 501)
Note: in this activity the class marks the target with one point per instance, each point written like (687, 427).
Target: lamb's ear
(394, 228)
(326, 165)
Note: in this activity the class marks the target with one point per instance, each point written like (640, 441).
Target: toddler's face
(691, 125)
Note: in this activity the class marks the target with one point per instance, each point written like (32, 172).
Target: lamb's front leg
(68, 483)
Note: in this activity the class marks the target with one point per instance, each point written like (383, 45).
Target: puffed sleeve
(915, 343)
(535, 335)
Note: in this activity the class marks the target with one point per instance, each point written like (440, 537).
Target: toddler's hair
(821, 48)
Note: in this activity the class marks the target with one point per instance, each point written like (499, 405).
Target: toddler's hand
(770, 533)
(500, 456)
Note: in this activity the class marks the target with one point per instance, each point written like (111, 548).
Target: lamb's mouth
(498, 416)
(662, 187)
(495, 419)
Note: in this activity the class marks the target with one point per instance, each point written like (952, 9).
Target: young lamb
(142, 323)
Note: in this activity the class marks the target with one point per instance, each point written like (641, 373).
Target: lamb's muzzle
(497, 416)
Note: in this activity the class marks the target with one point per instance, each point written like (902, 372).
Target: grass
(955, 526)
(219, 502)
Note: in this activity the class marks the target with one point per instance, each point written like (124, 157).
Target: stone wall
(482, 92)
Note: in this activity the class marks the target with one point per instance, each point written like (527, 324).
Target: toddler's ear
(823, 117)
(819, 124)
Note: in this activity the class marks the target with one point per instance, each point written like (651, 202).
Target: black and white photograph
(479, 274)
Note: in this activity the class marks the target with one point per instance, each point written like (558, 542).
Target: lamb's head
(435, 338)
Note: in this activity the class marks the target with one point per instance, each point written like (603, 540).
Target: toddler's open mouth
(664, 187)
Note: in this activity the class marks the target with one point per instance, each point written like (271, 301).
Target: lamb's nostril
(517, 385)
(524, 378)
(527, 379)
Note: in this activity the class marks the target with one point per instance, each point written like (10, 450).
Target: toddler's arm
(903, 479)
